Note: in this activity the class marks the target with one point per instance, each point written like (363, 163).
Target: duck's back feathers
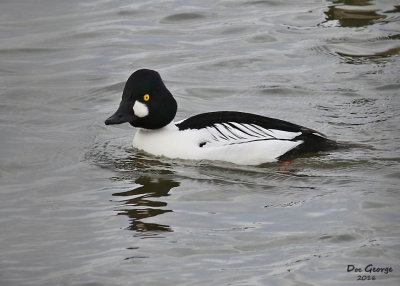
(204, 120)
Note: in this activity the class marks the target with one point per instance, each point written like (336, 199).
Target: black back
(210, 118)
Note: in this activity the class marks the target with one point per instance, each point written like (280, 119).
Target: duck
(231, 136)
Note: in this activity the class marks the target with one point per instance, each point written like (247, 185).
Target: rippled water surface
(80, 206)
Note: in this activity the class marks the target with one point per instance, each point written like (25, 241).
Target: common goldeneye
(236, 137)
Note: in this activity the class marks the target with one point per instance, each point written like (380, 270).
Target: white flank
(252, 145)
(140, 109)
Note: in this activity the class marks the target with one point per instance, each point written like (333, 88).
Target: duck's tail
(351, 145)
(315, 143)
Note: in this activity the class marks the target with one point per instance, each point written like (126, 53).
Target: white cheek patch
(140, 109)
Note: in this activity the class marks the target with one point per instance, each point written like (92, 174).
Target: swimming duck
(231, 136)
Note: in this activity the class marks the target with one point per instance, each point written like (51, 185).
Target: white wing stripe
(287, 135)
(243, 129)
(225, 132)
(211, 133)
(235, 133)
(255, 131)
(214, 133)
(259, 130)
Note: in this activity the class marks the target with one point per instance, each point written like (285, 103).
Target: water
(79, 206)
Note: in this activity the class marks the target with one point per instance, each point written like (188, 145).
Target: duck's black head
(146, 102)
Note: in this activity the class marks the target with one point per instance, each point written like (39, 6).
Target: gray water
(80, 206)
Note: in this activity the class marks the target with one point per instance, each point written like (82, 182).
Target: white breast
(245, 145)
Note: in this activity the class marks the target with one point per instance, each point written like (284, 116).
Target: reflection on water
(362, 48)
(374, 56)
(353, 2)
(352, 15)
(139, 203)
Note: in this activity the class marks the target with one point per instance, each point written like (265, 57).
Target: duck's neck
(169, 127)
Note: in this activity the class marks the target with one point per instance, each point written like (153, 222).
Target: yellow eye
(146, 97)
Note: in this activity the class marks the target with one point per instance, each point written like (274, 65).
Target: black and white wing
(231, 128)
